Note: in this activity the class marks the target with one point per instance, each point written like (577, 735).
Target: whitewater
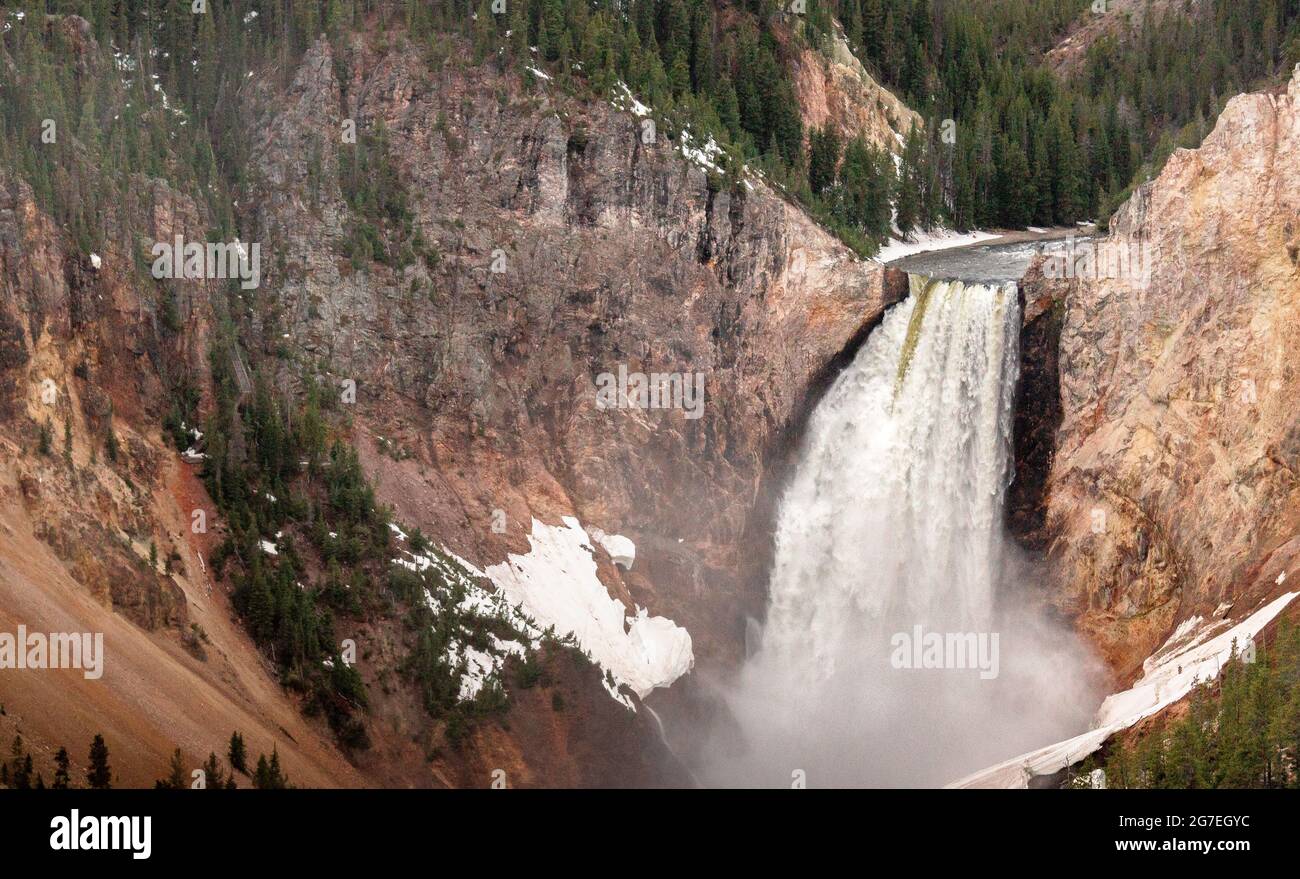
(891, 532)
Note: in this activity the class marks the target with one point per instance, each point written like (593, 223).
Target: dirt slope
(153, 696)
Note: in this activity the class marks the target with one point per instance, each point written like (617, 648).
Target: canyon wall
(560, 244)
(610, 252)
(96, 536)
(1172, 488)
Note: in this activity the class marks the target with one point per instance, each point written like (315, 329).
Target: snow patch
(1194, 654)
(622, 551)
(479, 666)
(705, 155)
(625, 100)
(923, 242)
(556, 584)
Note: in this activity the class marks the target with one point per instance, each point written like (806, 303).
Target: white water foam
(893, 520)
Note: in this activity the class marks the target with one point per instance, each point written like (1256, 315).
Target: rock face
(571, 251)
(833, 88)
(78, 347)
(1173, 488)
(1037, 418)
(559, 248)
(81, 346)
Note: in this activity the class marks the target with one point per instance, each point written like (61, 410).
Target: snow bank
(479, 666)
(1193, 654)
(622, 551)
(556, 584)
(705, 156)
(941, 239)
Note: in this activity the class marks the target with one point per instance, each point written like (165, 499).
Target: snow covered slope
(556, 584)
(1193, 654)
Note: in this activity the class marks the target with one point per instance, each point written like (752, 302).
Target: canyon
(562, 246)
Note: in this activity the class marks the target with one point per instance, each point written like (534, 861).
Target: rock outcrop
(1115, 19)
(833, 88)
(569, 248)
(1173, 488)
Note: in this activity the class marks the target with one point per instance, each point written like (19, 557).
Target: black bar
(617, 829)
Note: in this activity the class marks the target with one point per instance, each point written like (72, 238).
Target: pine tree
(485, 32)
(1016, 197)
(213, 773)
(21, 772)
(268, 775)
(278, 778)
(907, 196)
(99, 776)
(551, 31)
(176, 778)
(823, 158)
(23, 777)
(238, 754)
(61, 770)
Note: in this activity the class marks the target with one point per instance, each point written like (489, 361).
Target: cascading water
(888, 537)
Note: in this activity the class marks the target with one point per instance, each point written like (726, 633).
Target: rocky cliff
(556, 242)
(95, 531)
(833, 88)
(568, 247)
(1172, 488)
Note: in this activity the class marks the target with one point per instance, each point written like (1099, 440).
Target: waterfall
(901, 646)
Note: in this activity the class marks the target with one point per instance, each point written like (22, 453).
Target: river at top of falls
(890, 536)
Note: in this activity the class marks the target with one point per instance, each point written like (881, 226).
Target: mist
(905, 642)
